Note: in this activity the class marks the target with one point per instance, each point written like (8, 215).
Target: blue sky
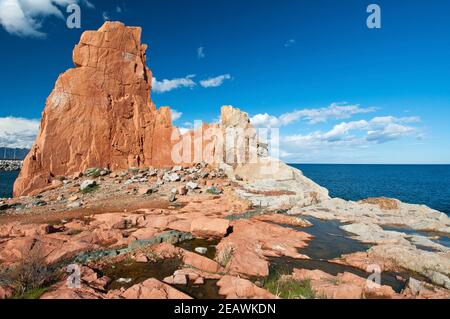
(338, 91)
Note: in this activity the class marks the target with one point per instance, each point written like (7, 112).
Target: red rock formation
(100, 113)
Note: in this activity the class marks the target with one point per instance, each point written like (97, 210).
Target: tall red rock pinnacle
(100, 113)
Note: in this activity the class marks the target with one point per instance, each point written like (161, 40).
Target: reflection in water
(190, 245)
(140, 272)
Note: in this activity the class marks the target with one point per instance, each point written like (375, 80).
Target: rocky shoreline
(114, 210)
(147, 217)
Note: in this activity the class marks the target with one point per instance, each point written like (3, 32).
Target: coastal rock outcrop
(263, 180)
(100, 113)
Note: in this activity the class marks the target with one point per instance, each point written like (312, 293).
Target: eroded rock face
(100, 113)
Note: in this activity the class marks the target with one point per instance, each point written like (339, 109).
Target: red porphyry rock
(245, 251)
(238, 288)
(209, 227)
(100, 113)
(342, 286)
(153, 289)
(200, 262)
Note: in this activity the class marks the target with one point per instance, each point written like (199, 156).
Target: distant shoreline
(10, 165)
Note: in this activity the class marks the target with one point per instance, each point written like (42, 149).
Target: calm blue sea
(6, 183)
(416, 184)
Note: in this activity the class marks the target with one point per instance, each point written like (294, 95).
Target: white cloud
(169, 85)
(118, 9)
(88, 4)
(25, 17)
(362, 133)
(18, 132)
(176, 115)
(105, 16)
(289, 43)
(215, 81)
(201, 53)
(313, 116)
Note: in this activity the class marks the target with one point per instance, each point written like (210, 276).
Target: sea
(417, 184)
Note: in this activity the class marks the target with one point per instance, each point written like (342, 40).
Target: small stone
(204, 175)
(414, 285)
(213, 190)
(172, 198)
(87, 184)
(133, 170)
(192, 185)
(39, 203)
(73, 198)
(182, 190)
(238, 178)
(171, 177)
(152, 172)
(174, 191)
(179, 280)
(76, 204)
(124, 280)
(141, 258)
(201, 250)
(145, 191)
(104, 172)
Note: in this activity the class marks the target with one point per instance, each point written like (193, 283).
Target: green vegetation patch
(288, 288)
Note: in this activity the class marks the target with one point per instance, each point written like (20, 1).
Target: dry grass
(30, 276)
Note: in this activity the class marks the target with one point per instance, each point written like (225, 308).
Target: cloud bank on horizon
(18, 132)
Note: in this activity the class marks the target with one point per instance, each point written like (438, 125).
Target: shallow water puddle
(209, 290)
(129, 273)
(439, 238)
(191, 245)
(139, 272)
(330, 241)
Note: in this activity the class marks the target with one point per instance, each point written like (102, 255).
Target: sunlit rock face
(100, 113)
